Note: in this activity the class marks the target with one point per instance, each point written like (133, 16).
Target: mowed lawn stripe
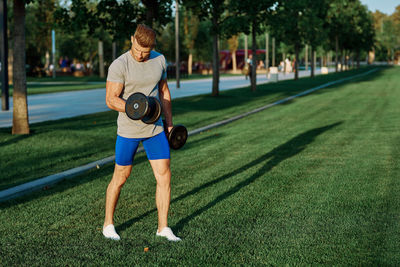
(349, 189)
(61, 145)
(313, 182)
(53, 179)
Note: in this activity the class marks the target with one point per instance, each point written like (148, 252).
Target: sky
(384, 6)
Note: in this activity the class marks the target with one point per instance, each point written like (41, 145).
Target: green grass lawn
(92, 78)
(45, 85)
(315, 181)
(63, 144)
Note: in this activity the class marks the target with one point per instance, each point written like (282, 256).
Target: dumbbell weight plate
(177, 137)
(136, 106)
(154, 111)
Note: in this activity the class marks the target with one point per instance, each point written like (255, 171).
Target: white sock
(167, 232)
(109, 232)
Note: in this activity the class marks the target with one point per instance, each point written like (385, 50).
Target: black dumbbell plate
(177, 137)
(136, 106)
(154, 111)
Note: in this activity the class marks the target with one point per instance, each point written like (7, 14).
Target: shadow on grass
(274, 157)
(64, 185)
(234, 101)
(87, 177)
(204, 140)
(14, 139)
(89, 122)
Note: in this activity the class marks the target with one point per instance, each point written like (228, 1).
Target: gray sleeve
(164, 67)
(116, 72)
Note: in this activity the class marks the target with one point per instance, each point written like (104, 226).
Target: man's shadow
(271, 159)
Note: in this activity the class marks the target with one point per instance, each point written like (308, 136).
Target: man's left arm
(165, 97)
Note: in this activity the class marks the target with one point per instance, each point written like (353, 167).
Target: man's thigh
(157, 147)
(125, 150)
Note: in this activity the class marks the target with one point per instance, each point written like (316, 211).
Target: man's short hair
(145, 36)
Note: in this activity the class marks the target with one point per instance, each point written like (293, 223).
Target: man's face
(140, 53)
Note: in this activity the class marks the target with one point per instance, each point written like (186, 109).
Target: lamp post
(5, 104)
(177, 44)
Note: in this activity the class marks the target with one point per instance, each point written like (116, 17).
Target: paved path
(54, 106)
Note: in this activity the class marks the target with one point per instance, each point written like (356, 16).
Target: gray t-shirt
(140, 77)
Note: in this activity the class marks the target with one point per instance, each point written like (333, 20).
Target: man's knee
(121, 174)
(162, 171)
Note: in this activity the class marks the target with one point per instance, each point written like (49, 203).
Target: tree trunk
(234, 63)
(306, 57)
(321, 61)
(10, 65)
(267, 53)
(254, 59)
(284, 62)
(246, 51)
(312, 61)
(358, 58)
(328, 59)
(20, 105)
(151, 10)
(337, 53)
(215, 85)
(177, 48)
(47, 56)
(341, 59)
(190, 62)
(114, 50)
(273, 52)
(296, 62)
(101, 59)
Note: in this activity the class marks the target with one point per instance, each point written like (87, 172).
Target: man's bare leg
(162, 172)
(121, 174)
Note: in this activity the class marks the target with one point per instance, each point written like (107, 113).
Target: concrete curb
(41, 183)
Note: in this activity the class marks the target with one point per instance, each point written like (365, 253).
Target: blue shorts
(156, 147)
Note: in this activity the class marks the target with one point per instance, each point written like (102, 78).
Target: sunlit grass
(308, 183)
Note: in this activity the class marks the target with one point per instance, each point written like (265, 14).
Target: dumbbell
(140, 107)
(177, 136)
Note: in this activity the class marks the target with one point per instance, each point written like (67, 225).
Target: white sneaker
(109, 232)
(167, 232)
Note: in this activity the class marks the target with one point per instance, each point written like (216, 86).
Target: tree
(250, 16)
(389, 38)
(361, 33)
(79, 19)
(191, 28)
(39, 23)
(98, 21)
(203, 43)
(213, 10)
(233, 44)
(300, 22)
(156, 12)
(313, 22)
(338, 26)
(387, 30)
(20, 105)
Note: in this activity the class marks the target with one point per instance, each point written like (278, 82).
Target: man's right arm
(113, 91)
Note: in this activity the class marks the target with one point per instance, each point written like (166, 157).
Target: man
(250, 64)
(140, 70)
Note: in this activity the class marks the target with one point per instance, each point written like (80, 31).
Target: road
(54, 106)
